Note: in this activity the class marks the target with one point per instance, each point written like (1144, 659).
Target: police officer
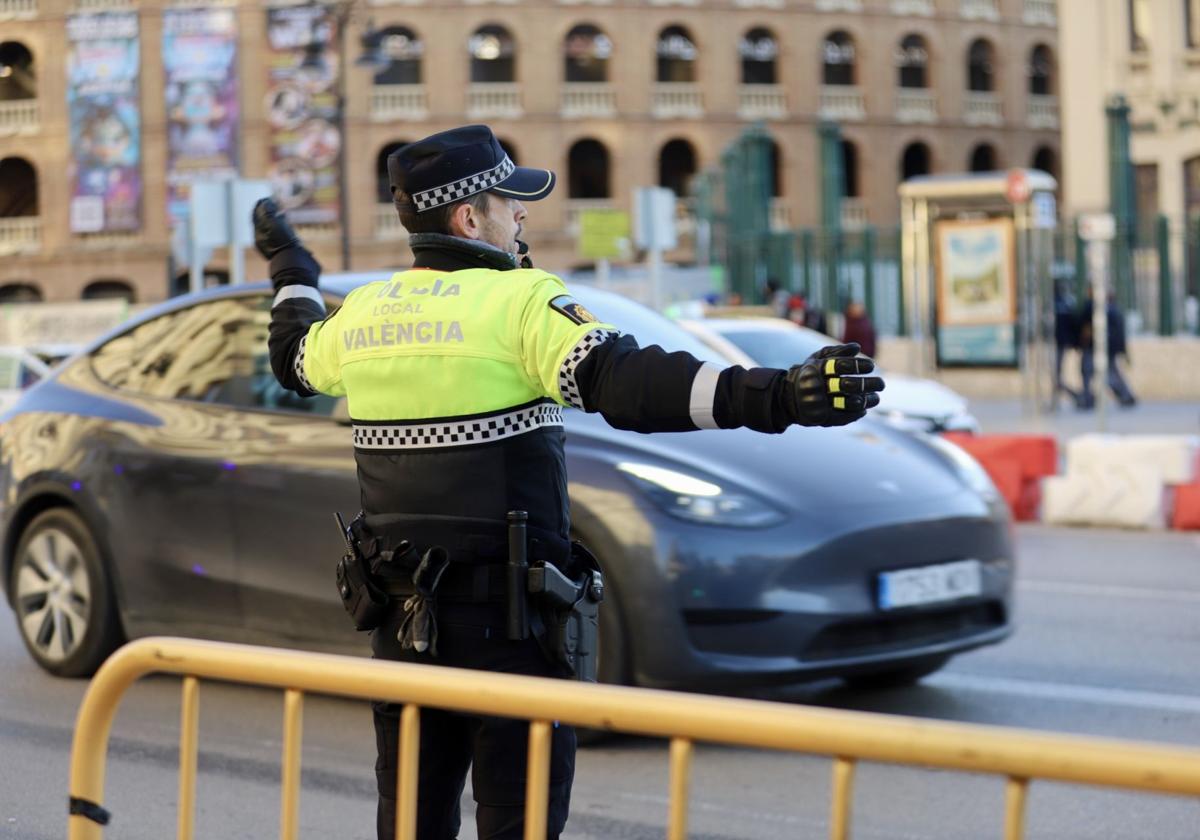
(455, 373)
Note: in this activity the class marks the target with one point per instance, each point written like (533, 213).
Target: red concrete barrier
(1186, 516)
(1037, 454)
(1016, 464)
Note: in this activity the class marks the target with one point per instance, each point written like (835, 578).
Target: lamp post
(341, 14)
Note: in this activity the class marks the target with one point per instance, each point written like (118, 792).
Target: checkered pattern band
(298, 365)
(567, 386)
(458, 190)
(459, 432)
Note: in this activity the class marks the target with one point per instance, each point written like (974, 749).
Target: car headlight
(697, 500)
(968, 469)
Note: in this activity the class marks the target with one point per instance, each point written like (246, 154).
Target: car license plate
(929, 584)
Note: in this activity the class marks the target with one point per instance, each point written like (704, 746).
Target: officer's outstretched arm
(651, 390)
(297, 305)
(635, 388)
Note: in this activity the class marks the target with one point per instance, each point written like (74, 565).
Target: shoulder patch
(572, 309)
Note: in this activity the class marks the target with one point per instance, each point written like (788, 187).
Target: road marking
(1154, 700)
(1061, 587)
(811, 826)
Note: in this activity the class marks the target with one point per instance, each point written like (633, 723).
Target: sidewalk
(1000, 416)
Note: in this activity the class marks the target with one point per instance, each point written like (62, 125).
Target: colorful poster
(199, 50)
(105, 124)
(303, 112)
(976, 293)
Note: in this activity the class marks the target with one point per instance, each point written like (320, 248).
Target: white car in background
(907, 402)
(19, 368)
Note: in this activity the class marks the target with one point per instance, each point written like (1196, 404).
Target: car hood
(865, 464)
(917, 397)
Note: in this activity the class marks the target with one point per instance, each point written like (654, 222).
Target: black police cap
(456, 164)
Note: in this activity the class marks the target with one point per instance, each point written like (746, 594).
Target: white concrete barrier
(1122, 495)
(1173, 456)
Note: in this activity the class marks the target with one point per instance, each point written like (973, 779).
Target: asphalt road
(1108, 644)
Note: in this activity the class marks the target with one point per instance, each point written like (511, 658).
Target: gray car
(162, 482)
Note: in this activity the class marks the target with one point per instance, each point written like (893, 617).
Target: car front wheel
(63, 596)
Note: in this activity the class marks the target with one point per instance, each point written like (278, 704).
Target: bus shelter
(976, 257)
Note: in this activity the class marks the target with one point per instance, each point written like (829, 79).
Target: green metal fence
(1155, 264)
(1155, 270)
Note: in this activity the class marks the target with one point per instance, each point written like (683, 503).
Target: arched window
(837, 55)
(912, 62)
(383, 184)
(587, 170)
(586, 52)
(1046, 160)
(981, 72)
(20, 293)
(17, 77)
(509, 149)
(109, 290)
(983, 159)
(1041, 71)
(18, 188)
(759, 52)
(403, 50)
(493, 55)
(849, 169)
(676, 166)
(915, 161)
(676, 55)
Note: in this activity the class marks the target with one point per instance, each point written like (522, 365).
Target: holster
(364, 601)
(568, 605)
(359, 584)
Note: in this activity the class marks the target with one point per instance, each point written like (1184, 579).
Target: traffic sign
(1016, 186)
(603, 234)
(654, 218)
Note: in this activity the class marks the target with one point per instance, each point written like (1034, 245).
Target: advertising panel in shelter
(303, 112)
(199, 51)
(105, 122)
(976, 293)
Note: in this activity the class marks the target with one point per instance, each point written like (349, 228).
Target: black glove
(291, 263)
(272, 231)
(827, 390)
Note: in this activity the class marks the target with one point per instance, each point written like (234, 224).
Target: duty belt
(478, 550)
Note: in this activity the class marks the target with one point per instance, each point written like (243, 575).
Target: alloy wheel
(53, 594)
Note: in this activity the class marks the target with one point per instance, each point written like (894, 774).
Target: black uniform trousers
(469, 636)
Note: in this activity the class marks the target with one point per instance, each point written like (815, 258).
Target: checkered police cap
(456, 164)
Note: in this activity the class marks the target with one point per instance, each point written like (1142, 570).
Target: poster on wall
(976, 293)
(302, 112)
(199, 50)
(105, 124)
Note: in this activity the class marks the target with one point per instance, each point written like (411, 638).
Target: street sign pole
(237, 254)
(1098, 230)
(602, 272)
(654, 230)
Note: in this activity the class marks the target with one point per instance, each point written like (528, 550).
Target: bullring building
(110, 109)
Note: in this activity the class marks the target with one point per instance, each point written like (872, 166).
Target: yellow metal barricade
(849, 737)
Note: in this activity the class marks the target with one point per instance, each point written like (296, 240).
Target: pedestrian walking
(1066, 338)
(455, 374)
(1116, 349)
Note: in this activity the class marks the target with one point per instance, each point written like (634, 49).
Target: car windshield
(776, 348)
(644, 324)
